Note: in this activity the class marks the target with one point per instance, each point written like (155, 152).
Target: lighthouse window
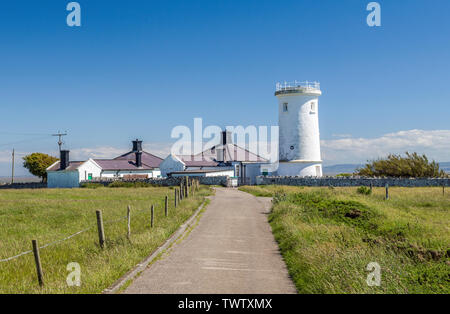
(292, 147)
(285, 107)
(313, 107)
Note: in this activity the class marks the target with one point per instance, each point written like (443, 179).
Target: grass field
(48, 215)
(329, 236)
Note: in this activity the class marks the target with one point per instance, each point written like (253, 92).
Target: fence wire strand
(68, 237)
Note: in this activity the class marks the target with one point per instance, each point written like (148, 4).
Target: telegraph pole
(60, 135)
(12, 173)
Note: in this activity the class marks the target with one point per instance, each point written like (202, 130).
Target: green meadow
(328, 236)
(48, 215)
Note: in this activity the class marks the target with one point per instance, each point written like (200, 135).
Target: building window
(285, 107)
(313, 107)
(238, 171)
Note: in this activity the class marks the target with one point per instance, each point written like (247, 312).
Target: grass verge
(48, 215)
(329, 236)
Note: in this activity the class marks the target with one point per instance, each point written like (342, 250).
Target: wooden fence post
(166, 209)
(371, 187)
(187, 186)
(129, 221)
(387, 191)
(101, 232)
(37, 259)
(175, 198)
(152, 223)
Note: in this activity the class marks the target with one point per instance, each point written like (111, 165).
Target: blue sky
(140, 68)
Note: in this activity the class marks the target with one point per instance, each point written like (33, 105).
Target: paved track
(230, 251)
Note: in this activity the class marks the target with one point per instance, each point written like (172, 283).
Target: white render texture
(299, 136)
(171, 164)
(300, 169)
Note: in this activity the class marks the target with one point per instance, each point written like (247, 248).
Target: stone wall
(353, 181)
(219, 180)
(28, 185)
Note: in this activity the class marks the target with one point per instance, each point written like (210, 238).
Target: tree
(37, 163)
(411, 166)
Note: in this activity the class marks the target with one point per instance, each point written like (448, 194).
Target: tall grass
(329, 236)
(48, 215)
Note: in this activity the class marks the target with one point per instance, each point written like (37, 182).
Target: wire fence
(182, 192)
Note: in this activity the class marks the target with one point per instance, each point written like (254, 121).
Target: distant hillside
(445, 166)
(351, 168)
(342, 168)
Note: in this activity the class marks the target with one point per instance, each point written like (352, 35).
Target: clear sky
(140, 68)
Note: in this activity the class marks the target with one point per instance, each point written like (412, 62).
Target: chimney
(138, 159)
(220, 154)
(137, 146)
(64, 160)
(227, 138)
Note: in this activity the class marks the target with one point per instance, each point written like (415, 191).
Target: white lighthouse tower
(298, 116)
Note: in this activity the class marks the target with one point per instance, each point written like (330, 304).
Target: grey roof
(198, 161)
(73, 165)
(148, 159)
(233, 153)
(120, 164)
(209, 158)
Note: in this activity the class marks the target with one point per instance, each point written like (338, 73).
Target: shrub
(129, 184)
(89, 185)
(411, 166)
(364, 190)
(37, 164)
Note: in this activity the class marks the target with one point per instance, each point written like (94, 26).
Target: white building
(136, 164)
(299, 141)
(224, 159)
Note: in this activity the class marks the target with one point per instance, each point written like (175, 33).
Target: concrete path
(230, 251)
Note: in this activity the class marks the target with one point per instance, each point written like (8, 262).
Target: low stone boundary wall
(30, 185)
(353, 181)
(175, 181)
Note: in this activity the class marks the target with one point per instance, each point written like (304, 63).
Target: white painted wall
(229, 173)
(88, 167)
(171, 164)
(114, 174)
(299, 169)
(299, 129)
